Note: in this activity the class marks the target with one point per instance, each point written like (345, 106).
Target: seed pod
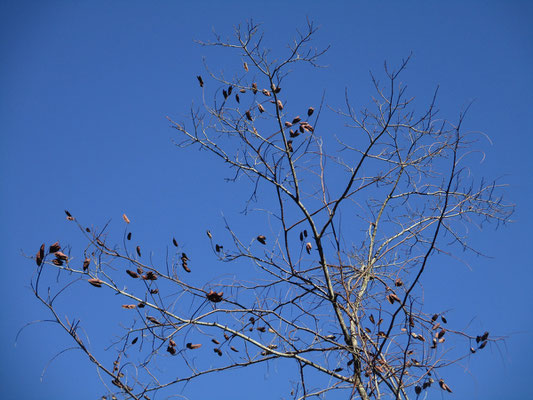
(129, 236)
(149, 276)
(248, 115)
(242, 90)
(95, 282)
(61, 256)
(441, 333)
(138, 248)
(310, 111)
(436, 326)
(280, 105)
(305, 232)
(230, 89)
(254, 88)
(444, 319)
(215, 341)
(154, 291)
(184, 257)
(261, 239)
(485, 336)
(134, 340)
(132, 274)
(444, 386)
(434, 317)
(54, 247)
(68, 214)
(171, 350)
(57, 261)
(172, 343)
(184, 266)
(153, 320)
(472, 350)
(128, 306)
(234, 349)
(296, 119)
(216, 350)
(483, 344)
(209, 235)
(226, 336)
(245, 66)
(87, 230)
(40, 256)
(308, 247)
(266, 92)
(289, 145)
(214, 296)
(86, 263)
(398, 282)
(193, 346)
(237, 98)
(261, 329)
(140, 270)
(288, 124)
(200, 81)
(294, 134)
(371, 318)
(418, 389)
(217, 248)
(141, 305)
(126, 219)
(174, 242)
(225, 94)
(261, 108)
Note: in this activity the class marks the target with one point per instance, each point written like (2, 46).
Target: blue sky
(86, 86)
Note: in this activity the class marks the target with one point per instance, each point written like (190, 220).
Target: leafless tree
(337, 287)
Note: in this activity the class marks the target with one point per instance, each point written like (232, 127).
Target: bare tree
(337, 283)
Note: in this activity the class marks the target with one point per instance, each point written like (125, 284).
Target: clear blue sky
(85, 88)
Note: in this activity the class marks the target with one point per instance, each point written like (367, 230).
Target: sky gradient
(86, 87)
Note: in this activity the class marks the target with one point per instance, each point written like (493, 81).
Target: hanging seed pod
(226, 336)
(154, 291)
(129, 236)
(266, 92)
(230, 89)
(436, 326)
(218, 248)
(441, 333)
(485, 336)
(86, 263)
(153, 320)
(184, 266)
(216, 350)
(54, 247)
(57, 261)
(434, 317)
(95, 282)
(261, 329)
(305, 232)
(234, 349)
(225, 94)
(209, 235)
(398, 282)
(287, 124)
(483, 344)
(129, 306)
(245, 66)
(261, 108)
(242, 90)
(174, 242)
(140, 270)
(248, 115)
(149, 276)
(261, 239)
(418, 389)
(301, 237)
(126, 219)
(141, 305)
(237, 98)
(308, 247)
(444, 386)
(214, 296)
(40, 256)
(68, 214)
(215, 341)
(310, 111)
(254, 88)
(472, 350)
(392, 297)
(172, 343)
(171, 350)
(296, 119)
(87, 230)
(294, 134)
(138, 248)
(61, 256)
(444, 319)
(200, 80)
(280, 105)
(289, 146)
(134, 340)
(132, 274)
(193, 346)
(371, 318)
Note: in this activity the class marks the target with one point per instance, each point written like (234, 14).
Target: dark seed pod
(237, 98)
(296, 119)
(225, 94)
(234, 349)
(140, 270)
(132, 274)
(310, 111)
(129, 236)
(483, 344)
(248, 115)
(57, 262)
(215, 341)
(261, 239)
(174, 242)
(86, 263)
(40, 256)
(193, 346)
(87, 230)
(154, 291)
(134, 340)
(138, 248)
(261, 108)
(230, 89)
(95, 282)
(54, 247)
(61, 256)
(200, 80)
(68, 214)
(254, 88)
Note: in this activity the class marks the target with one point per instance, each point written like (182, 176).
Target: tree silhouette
(337, 281)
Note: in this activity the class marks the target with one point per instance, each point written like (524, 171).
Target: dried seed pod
(226, 336)
(261, 239)
(289, 146)
(86, 263)
(237, 98)
(266, 92)
(418, 389)
(301, 237)
(398, 282)
(138, 249)
(218, 248)
(140, 270)
(217, 350)
(174, 242)
(294, 134)
(87, 230)
(129, 236)
(308, 247)
(444, 386)
(225, 94)
(248, 115)
(485, 336)
(150, 276)
(200, 80)
(215, 341)
(392, 297)
(172, 343)
(472, 350)
(371, 318)
(254, 88)
(214, 296)
(40, 256)
(261, 108)
(441, 333)
(54, 247)
(154, 291)
(95, 282)
(192, 346)
(245, 66)
(171, 350)
(129, 306)
(436, 326)
(153, 320)
(68, 214)
(310, 111)
(305, 232)
(134, 340)
(126, 219)
(242, 90)
(132, 274)
(434, 317)
(444, 319)
(296, 119)
(288, 124)
(57, 261)
(184, 257)
(61, 256)
(184, 266)
(280, 105)
(70, 218)
(234, 349)
(141, 305)
(261, 329)
(209, 235)
(483, 344)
